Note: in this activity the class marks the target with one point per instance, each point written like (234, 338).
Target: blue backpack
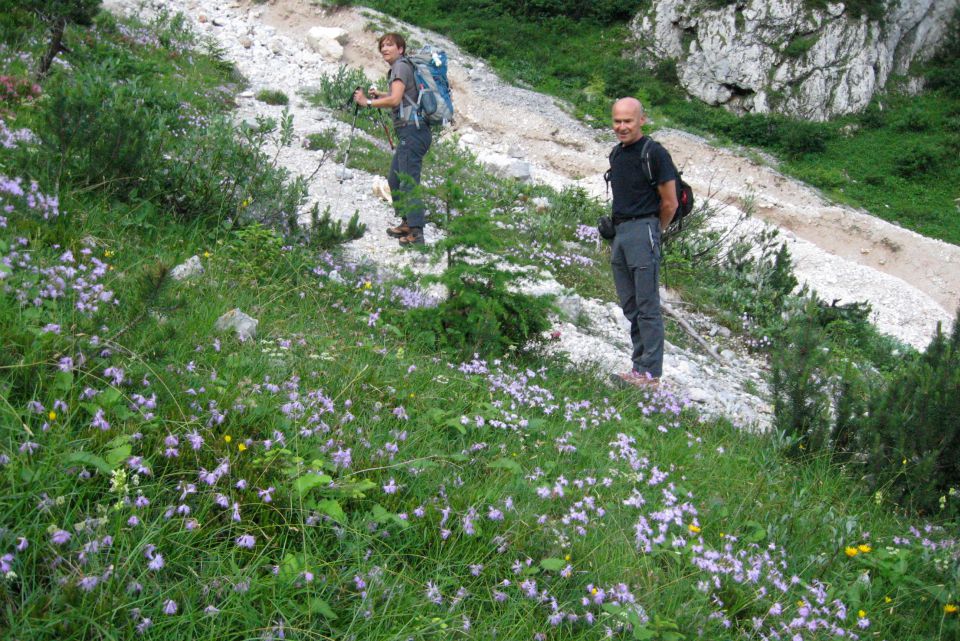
(434, 104)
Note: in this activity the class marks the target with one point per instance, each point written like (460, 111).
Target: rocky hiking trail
(910, 281)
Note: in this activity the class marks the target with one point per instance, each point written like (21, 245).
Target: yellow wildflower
(107, 253)
(52, 415)
(241, 447)
(851, 551)
(207, 254)
(566, 557)
(227, 438)
(887, 599)
(950, 608)
(862, 614)
(863, 547)
(694, 528)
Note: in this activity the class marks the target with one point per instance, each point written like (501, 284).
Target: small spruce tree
(485, 310)
(799, 385)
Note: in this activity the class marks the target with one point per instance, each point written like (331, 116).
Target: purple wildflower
(246, 541)
(59, 537)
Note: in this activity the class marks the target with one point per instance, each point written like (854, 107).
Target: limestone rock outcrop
(788, 56)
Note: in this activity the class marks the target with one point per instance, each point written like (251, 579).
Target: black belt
(617, 221)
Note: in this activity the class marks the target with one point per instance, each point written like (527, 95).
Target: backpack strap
(606, 175)
(413, 110)
(646, 163)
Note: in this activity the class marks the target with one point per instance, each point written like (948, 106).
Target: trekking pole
(386, 130)
(346, 155)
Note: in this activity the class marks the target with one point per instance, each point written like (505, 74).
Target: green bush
(257, 252)
(220, 173)
(801, 138)
(910, 434)
(818, 391)
(873, 117)
(15, 22)
(824, 177)
(917, 159)
(899, 430)
(104, 131)
(365, 156)
(913, 120)
(321, 140)
(337, 90)
(799, 385)
(619, 80)
(758, 130)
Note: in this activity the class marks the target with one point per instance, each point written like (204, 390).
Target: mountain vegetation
(373, 463)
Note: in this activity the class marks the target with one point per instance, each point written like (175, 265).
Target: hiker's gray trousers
(636, 274)
(412, 145)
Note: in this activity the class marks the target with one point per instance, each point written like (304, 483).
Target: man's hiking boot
(415, 237)
(399, 231)
(639, 380)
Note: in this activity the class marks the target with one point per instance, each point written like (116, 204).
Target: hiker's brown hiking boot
(399, 231)
(639, 380)
(415, 237)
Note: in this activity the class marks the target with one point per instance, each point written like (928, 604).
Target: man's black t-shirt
(633, 195)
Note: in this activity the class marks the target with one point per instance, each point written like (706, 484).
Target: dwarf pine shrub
(324, 232)
(910, 434)
(798, 385)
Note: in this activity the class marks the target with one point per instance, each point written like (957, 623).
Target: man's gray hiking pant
(636, 273)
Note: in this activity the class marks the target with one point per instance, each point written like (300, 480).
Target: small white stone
(188, 269)
(244, 326)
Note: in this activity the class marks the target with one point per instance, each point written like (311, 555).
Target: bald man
(642, 209)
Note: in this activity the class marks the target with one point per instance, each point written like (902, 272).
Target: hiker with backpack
(644, 185)
(413, 137)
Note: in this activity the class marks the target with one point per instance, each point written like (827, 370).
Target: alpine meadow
(379, 454)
